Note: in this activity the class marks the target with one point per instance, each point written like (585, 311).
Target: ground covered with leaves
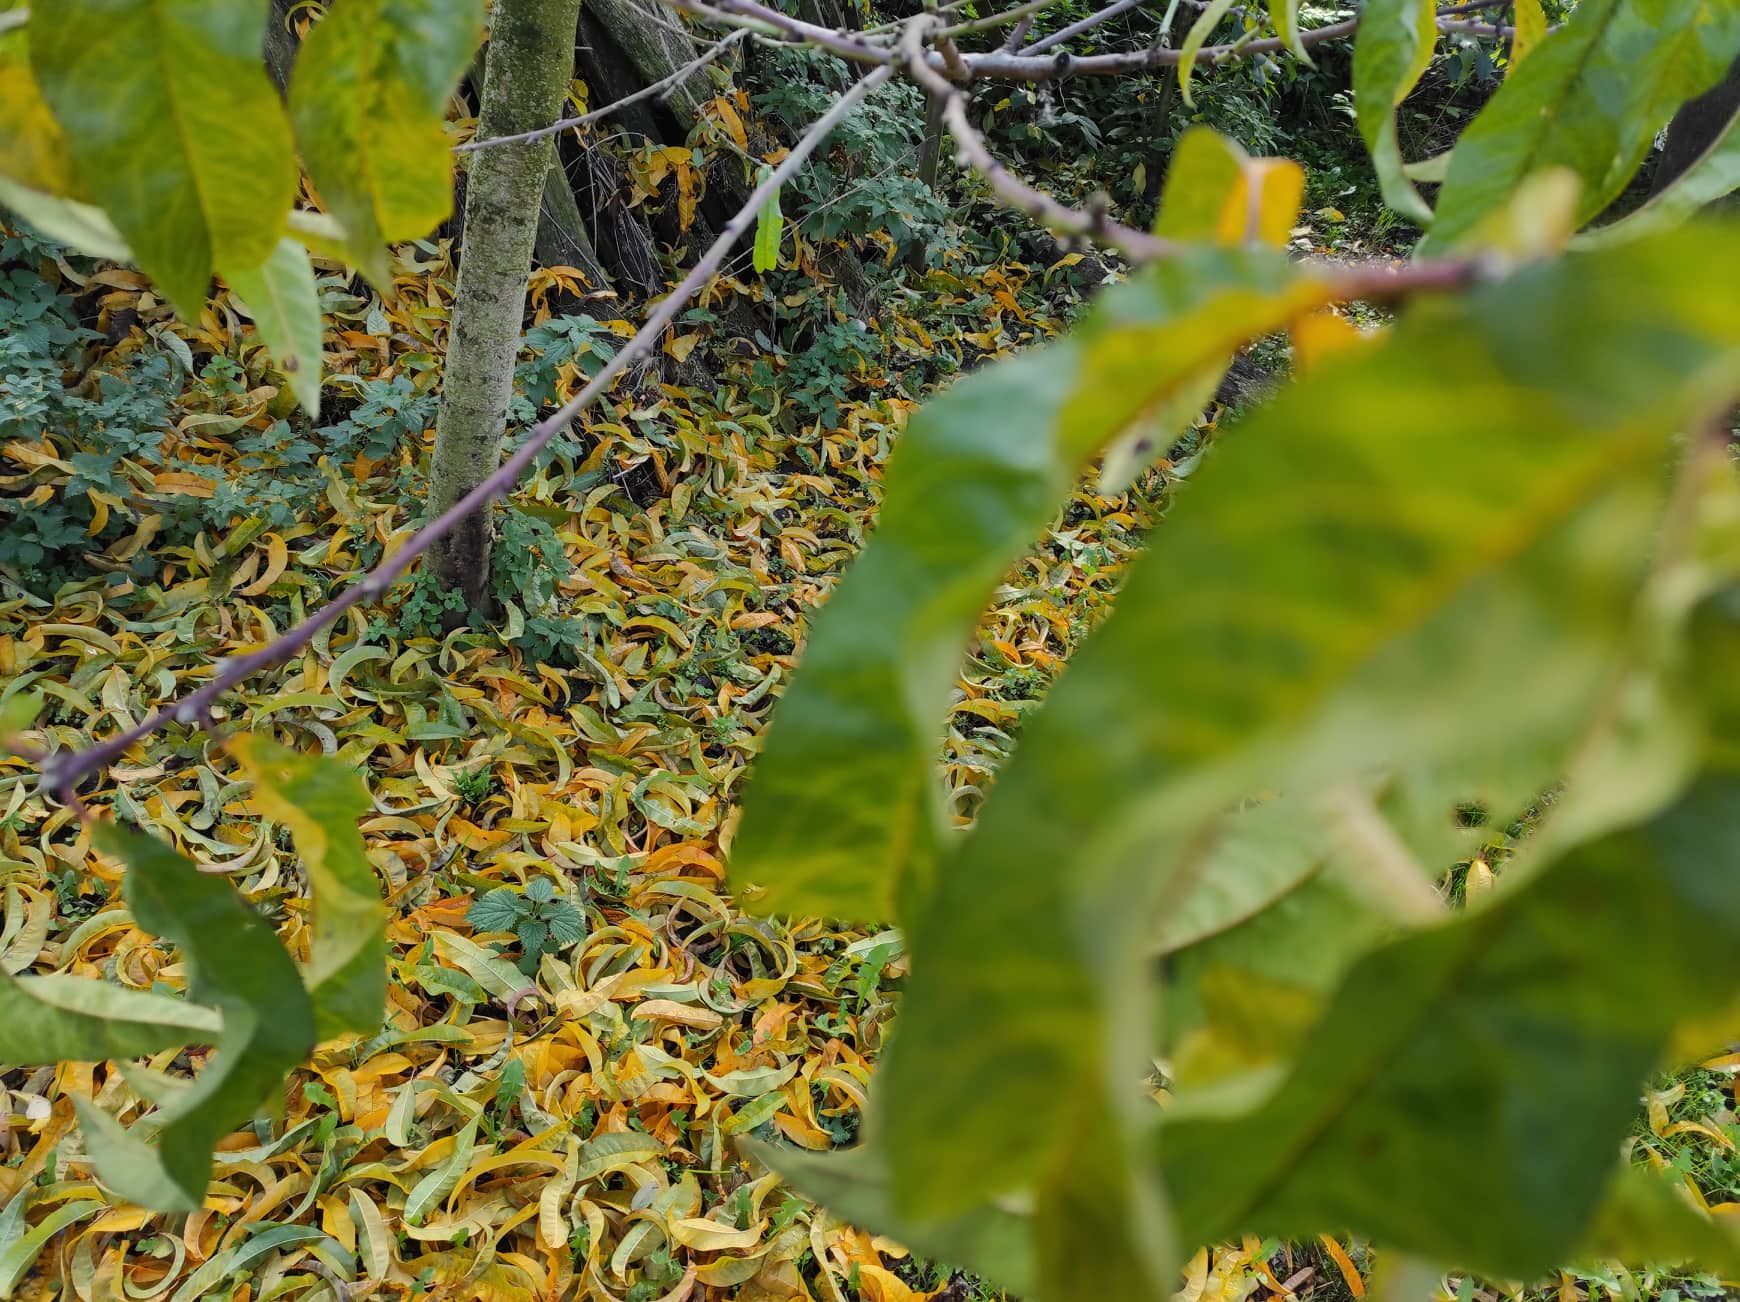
(581, 1023)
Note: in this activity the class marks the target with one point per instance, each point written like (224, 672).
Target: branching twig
(62, 772)
(661, 88)
(1075, 29)
(1015, 192)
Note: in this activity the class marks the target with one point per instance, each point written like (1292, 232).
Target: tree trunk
(562, 239)
(281, 44)
(526, 72)
(1697, 126)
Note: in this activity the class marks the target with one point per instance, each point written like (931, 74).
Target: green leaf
(32, 150)
(843, 810)
(18, 713)
(1590, 98)
(1194, 40)
(1391, 51)
(235, 964)
(280, 296)
(1257, 856)
(1284, 16)
(433, 1188)
(1218, 194)
(18, 1257)
(321, 801)
(566, 924)
(1647, 1218)
(174, 129)
(499, 910)
(79, 226)
(1713, 174)
(769, 227)
(540, 890)
(991, 1241)
(1323, 604)
(60, 1018)
(368, 96)
(1531, 30)
(1514, 1031)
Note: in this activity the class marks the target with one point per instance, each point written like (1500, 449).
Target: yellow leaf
(681, 346)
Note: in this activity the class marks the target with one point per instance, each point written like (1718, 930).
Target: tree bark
(281, 44)
(1697, 126)
(562, 240)
(526, 71)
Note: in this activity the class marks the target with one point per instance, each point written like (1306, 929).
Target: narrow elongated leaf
(321, 801)
(1713, 174)
(432, 1190)
(367, 96)
(174, 128)
(280, 295)
(236, 965)
(60, 1018)
(993, 1242)
(18, 1257)
(1284, 15)
(80, 226)
(844, 802)
(1646, 1218)
(1276, 635)
(1391, 52)
(1590, 98)
(32, 150)
(1502, 1026)
(769, 226)
(1531, 30)
(1194, 40)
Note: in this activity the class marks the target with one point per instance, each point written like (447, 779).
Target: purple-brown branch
(63, 771)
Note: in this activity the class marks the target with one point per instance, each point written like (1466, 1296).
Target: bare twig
(1013, 191)
(661, 88)
(1075, 29)
(1022, 13)
(62, 772)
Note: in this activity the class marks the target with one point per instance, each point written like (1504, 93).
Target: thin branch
(62, 772)
(1075, 29)
(13, 19)
(662, 88)
(770, 22)
(1000, 64)
(1096, 224)
(1015, 15)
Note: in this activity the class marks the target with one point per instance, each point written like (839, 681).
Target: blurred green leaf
(280, 296)
(368, 95)
(234, 964)
(174, 129)
(1515, 1031)
(59, 1018)
(1403, 556)
(1194, 40)
(844, 811)
(1391, 51)
(1713, 174)
(1590, 98)
(993, 1242)
(321, 801)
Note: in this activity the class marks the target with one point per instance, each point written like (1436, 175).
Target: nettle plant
(538, 922)
(1489, 551)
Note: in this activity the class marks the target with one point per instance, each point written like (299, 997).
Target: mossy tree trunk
(526, 71)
